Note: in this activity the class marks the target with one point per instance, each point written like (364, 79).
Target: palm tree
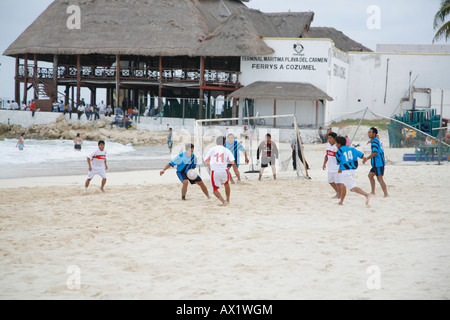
(440, 22)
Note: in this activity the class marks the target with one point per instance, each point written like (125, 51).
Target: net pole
(198, 143)
(440, 130)
(359, 125)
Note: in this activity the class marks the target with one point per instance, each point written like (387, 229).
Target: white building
(379, 80)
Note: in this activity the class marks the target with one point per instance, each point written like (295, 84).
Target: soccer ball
(192, 174)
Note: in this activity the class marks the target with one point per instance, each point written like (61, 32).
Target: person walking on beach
(218, 159)
(377, 161)
(78, 142)
(21, 144)
(185, 162)
(170, 140)
(347, 159)
(97, 165)
(269, 153)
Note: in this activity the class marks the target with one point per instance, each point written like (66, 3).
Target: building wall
(338, 79)
(25, 120)
(304, 110)
(294, 60)
(369, 71)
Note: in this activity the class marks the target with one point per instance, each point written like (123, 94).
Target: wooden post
(35, 77)
(235, 101)
(275, 113)
(317, 114)
(160, 85)
(55, 76)
(202, 82)
(117, 81)
(17, 82)
(25, 83)
(73, 98)
(78, 80)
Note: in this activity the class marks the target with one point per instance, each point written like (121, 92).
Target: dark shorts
(182, 176)
(265, 164)
(77, 147)
(170, 144)
(379, 171)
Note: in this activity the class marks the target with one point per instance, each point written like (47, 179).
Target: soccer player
(218, 159)
(378, 162)
(235, 147)
(334, 177)
(347, 159)
(97, 165)
(269, 152)
(184, 162)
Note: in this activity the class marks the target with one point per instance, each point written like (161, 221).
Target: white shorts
(219, 178)
(100, 171)
(348, 179)
(334, 177)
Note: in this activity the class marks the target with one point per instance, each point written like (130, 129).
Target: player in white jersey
(97, 165)
(334, 177)
(218, 159)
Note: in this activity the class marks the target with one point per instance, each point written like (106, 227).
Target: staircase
(45, 89)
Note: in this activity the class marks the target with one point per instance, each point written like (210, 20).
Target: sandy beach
(284, 239)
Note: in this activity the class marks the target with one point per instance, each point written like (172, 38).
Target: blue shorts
(20, 146)
(379, 171)
(182, 176)
(170, 144)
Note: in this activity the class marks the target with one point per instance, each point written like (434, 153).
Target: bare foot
(368, 200)
(336, 196)
(340, 203)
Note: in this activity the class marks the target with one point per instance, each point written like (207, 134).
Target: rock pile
(92, 130)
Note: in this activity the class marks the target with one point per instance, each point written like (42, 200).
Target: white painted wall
(25, 120)
(307, 62)
(338, 79)
(367, 81)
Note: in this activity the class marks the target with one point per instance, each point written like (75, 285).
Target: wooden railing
(69, 72)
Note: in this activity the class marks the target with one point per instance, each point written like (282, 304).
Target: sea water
(58, 157)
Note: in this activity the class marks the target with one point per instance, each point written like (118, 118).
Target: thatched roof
(221, 10)
(341, 41)
(265, 90)
(156, 28)
(140, 27)
(236, 37)
(292, 24)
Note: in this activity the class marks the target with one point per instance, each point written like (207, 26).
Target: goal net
(421, 134)
(251, 135)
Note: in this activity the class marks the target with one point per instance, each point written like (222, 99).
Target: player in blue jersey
(184, 162)
(347, 159)
(377, 161)
(234, 146)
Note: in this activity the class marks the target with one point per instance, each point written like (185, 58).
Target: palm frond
(443, 33)
(442, 14)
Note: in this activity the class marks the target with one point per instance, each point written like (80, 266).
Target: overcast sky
(398, 22)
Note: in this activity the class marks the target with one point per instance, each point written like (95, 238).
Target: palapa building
(183, 50)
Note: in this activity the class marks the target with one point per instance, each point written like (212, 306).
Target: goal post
(251, 133)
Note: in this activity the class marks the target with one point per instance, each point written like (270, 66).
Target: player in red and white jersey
(218, 159)
(97, 165)
(334, 177)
